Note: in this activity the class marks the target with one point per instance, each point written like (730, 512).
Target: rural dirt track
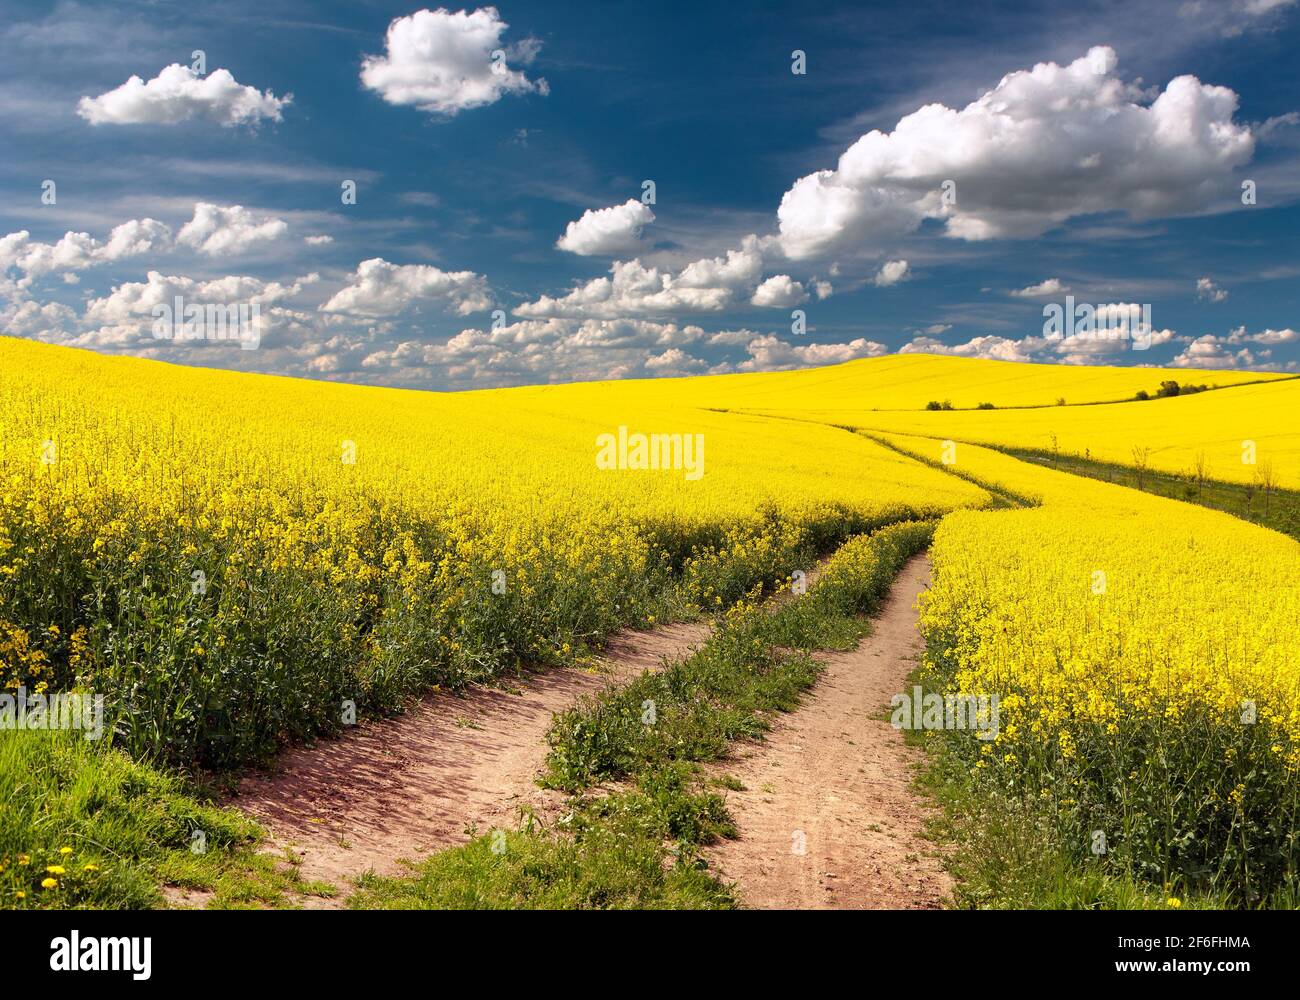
(834, 772)
(408, 786)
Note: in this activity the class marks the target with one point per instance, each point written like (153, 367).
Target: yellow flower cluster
(22, 665)
(233, 558)
(24, 881)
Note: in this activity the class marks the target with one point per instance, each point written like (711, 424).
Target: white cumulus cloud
(770, 353)
(48, 321)
(1210, 351)
(674, 362)
(996, 348)
(605, 231)
(126, 315)
(445, 63)
(1126, 330)
(220, 230)
(1287, 336)
(1045, 145)
(1044, 289)
(1207, 289)
(78, 251)
(178, 94)
(779, 292)
(635, 289)
(382, 289)
(541, 350)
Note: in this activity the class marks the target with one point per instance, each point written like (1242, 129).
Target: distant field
(1175, 431)
(897, 382)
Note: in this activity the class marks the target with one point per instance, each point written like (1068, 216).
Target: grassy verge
(1001, 498)
(756, 663)
(632, 849)
(1277, 508)
(640, 844)
(86, 826)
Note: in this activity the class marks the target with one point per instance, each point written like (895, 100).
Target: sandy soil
(408, 786)
(828, 818)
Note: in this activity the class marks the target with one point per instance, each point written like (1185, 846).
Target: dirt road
(828, 818)
(408, 786)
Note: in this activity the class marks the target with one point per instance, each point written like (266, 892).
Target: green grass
(132, 824)
(1279, 509)
(639, 846)
(637, 849)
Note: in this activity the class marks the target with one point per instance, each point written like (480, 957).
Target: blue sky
(1095, 150)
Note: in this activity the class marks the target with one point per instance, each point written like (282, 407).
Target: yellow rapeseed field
(241, 554)
(903, 382)
(1146, 654)
(1243, 434)
(234, 560)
